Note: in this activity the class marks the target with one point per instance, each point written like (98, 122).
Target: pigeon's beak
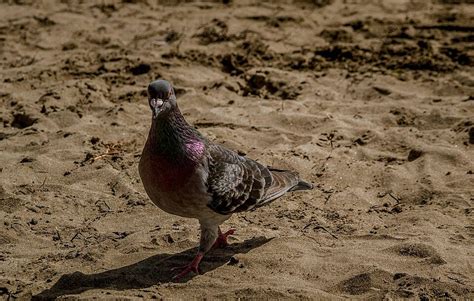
(156, 105)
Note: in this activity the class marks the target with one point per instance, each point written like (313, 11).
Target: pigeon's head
(161, 98)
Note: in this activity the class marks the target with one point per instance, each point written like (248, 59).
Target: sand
(372, 101)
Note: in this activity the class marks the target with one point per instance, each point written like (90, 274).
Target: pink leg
(191, 267)
(221, 240)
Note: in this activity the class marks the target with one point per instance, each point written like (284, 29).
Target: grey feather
(239, 184)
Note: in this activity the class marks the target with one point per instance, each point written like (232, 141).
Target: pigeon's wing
(238, 184)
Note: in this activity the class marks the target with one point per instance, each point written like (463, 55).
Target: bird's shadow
(148, 272)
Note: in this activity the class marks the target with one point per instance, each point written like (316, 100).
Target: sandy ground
(372, 101)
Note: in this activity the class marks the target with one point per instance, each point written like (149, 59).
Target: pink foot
(191, 267)
(221, 241)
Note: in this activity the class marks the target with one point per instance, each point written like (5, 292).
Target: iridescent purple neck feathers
(173, 139)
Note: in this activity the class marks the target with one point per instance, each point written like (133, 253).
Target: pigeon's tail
(302, 185)
(283, 182)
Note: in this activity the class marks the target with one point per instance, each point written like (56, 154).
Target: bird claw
(229, 232)
(193, 266)
(185, 270)
(221, 240)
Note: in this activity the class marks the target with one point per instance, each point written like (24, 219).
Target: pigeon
(186, 174)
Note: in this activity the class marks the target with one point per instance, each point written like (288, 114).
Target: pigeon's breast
(170, 176)
(176, 189)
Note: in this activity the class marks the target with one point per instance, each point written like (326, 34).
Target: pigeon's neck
(173, 139)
